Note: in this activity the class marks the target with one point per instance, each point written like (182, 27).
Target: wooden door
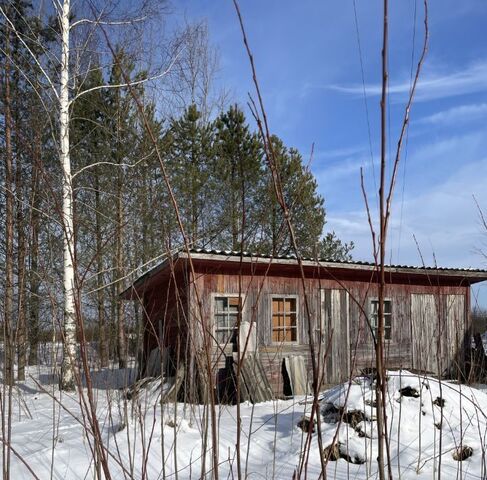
(455, 317)
(425, 333)
(334, 330)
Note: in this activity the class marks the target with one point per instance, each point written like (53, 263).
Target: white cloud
(456, 115)
(442, 217)
(346, 168)
(432, 85)
(339, 152)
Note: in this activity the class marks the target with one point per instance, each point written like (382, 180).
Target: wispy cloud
(455, 115)
(326, 173)
(339, 152)
(441, 213)
(432, 85)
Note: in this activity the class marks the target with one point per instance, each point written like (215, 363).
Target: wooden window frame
(284, 297)
(374, 324)
(215, 328)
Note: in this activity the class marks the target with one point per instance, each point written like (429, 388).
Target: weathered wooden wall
(430, 320)
(350, 347)
(165, 308)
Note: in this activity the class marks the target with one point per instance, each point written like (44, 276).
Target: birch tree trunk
(67, 381)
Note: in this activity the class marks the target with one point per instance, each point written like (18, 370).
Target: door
(455, 334)
(425, 333)
(333, 333)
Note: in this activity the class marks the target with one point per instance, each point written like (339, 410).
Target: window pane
(287, 305)
(374, 307)
(290, 320)
(293, 335)
(221, 321)
(233, 304)
(220, 304)
(277, 321)
(293, 305)
(277, 305)
(232, 320)
(374, 317)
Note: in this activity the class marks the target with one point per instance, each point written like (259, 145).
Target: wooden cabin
(196, 299)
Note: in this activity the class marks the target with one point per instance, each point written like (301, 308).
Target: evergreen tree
(237, 172)
(190, 148)
(90, 149)
(306, 206)
(332, 248)
(124, 140)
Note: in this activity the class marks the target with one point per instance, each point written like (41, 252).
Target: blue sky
(309, 68)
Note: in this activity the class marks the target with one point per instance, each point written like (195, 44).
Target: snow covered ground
(428, 423)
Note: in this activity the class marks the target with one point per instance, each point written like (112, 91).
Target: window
(284, 314)
(227, 310)
(374, 317)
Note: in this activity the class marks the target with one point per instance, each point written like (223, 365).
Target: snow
(48, 431)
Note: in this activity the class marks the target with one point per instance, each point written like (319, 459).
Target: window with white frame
(227, 310)
(374, 317)
(284, 319)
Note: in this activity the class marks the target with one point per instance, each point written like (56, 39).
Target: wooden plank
(255, 379)
(335, 323)
(345, 309)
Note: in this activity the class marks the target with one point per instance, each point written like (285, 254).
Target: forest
(141, 136)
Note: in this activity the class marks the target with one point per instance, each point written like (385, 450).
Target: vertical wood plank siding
(426, 319)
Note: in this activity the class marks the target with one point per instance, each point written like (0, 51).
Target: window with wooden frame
(374, 317)
(284, 319)
(226, 312)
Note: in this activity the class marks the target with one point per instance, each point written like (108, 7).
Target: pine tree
(190, 154)
(332, 248)
(90, 149)
(237, 172)
(305, 204)
(123, 145)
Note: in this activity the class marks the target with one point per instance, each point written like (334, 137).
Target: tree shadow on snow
(110, 379)
(282, 423)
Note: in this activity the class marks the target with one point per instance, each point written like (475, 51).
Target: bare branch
(128, 84)
(108, 22)
(128, 165)
(405, 122)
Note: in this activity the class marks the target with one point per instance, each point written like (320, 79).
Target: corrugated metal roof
(327, 260)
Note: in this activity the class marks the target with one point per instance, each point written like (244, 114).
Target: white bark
(69, 327)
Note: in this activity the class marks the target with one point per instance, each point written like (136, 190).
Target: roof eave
(473, 275)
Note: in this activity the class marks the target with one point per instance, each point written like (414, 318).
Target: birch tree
(67, 381)
(67, 86)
